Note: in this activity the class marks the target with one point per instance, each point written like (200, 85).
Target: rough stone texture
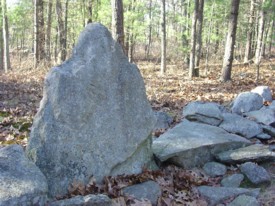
(163, 120)
(216, 195)
(264, 92)
(232, 180)
(265, 115)
(263, 136)
(191, 144)
(257, 153)
(88, 200)
(246, 102)
(94, 118)
(214, 169)
(205, 112)
(236, 124)
(269, 130)
(255, 173)
(272, 105)
(21, 182)
(148, 190)
(244, 200)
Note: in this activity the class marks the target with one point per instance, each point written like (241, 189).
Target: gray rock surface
(269, 130)
(232, 180)
(263, 136)
(94, 118)
(148, 190)
(256, 153)
(21, 182)
(236, 124)
(88, 200)
(163, 120)
(204, 112)
(265, 115)
(191, 144)
(216, 195)
(246, 102)
(264, 92)
(214, 169)
(244, 200)
(255, 173)
(272, 105)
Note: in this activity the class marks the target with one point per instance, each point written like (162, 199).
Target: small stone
(255, 173)
(244, 200)
(214, 169)
(263, 136)
(264, 92)
(148, 190)
(246, 102)
(232, 180)
(204, 112)
(163, 120)
(88, 200)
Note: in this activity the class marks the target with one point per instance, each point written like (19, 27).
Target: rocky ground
(21, 92)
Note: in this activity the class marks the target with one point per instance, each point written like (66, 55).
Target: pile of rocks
(214, 137)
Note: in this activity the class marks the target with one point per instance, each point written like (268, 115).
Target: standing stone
(94, 118)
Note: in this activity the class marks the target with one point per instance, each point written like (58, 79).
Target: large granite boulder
(21, 182)
(191, 144)
(204, 112)
(246, 102)
(94, 118)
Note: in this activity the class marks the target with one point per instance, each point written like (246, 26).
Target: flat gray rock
(191, 144)
(163, 120)
(21, 182)
(232, 180)
(256, 153)
(236, 124)
(255, 173)
(214, 169)
(246, 102)
(244, 200)
(263, 136)
(216, 195)
(269, 130)
(204, 112)
(272, 105)
(264, 92)
(88, 200)
(94, 118)
(265, 116)
(148, 190)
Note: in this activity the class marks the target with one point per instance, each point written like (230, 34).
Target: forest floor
(22, 89)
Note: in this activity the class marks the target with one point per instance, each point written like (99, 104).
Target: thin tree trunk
(230, 41)
(48, 33)
(1, 41)
(62, 29)
(163, 39)
(117, 22)
(271, 35)
(193, 41)
(148, 46)
(247, 54)
(265, 37)
(258, 53)
(199, 38)
(90, 12)
(6, 37)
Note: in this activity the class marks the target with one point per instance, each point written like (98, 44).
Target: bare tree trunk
(247, 54)
(230, 41)
(148, 46)
(193, 41)
(163, 39)
(271, 35)
(90, 12)
(198, 36)
(6, 37)
(39, 33)
(259, 47)
(1, 41)
(48, 32)
(117, 22)
(265, 37)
